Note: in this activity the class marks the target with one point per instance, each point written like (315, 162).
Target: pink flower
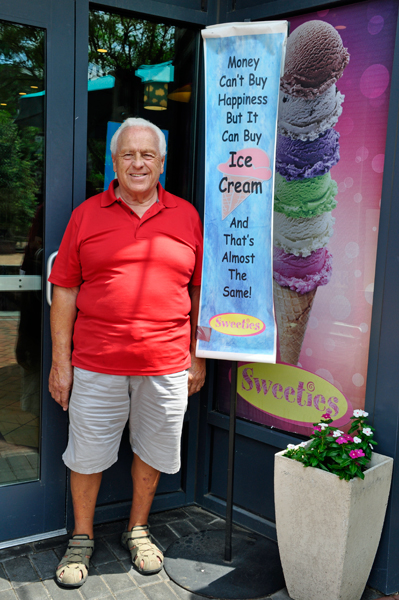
(326, 416)
(341, 440)
(356, 453)
(317, 428)
(348, 437)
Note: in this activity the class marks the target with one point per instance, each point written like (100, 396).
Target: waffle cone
(292, 314)
(231, 200)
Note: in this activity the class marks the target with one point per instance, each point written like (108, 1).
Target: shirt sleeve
(67, 271)
(197, 274)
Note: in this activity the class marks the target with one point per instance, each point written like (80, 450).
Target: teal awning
(164, 72)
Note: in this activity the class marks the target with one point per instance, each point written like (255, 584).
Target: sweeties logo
(291, 394)
(237, 324)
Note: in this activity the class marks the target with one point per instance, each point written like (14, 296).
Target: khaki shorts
(100, 406)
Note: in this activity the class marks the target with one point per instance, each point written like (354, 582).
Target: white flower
(290, 447)
(367, 431)
(323, 426)
(337, 433)
(360, 413)
(357, 440)
(371, 446)
(303, 444)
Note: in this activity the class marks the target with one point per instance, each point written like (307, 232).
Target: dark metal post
(230, 468)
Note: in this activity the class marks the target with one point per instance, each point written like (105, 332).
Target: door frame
(36, 509)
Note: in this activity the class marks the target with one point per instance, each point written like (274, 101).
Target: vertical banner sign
(243, 63)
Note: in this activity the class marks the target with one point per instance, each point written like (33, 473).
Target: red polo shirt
(133, 303)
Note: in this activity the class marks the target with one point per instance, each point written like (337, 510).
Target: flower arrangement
(344, 454)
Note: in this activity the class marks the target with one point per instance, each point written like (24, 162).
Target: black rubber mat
(196, 563)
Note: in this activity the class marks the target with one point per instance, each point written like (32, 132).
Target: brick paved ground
(27, 572)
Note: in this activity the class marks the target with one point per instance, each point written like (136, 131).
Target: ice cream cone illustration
(243, 175)
(231, 199)
(308, 147)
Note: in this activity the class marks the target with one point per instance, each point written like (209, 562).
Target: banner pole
(230, 467)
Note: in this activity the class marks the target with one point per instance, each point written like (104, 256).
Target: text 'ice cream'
(243, 175)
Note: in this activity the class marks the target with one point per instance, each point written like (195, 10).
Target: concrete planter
(328, 529)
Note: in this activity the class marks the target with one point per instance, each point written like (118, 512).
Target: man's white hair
(133, 122)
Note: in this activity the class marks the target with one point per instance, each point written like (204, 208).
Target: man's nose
(138, 160)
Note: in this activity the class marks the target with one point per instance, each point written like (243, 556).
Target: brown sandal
(138, 542)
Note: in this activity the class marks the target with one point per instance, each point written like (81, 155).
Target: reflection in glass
(21, 248)
(140, 68)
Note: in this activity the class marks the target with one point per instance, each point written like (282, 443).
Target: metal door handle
(49, 286)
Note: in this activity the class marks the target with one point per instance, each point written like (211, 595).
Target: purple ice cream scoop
(302, 274)
(298, 159)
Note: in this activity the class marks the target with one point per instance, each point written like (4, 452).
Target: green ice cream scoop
(305, 198)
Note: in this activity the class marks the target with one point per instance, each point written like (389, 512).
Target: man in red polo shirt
(126, 291)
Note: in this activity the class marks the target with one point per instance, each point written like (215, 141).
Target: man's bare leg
(84, 489)
(145, 481)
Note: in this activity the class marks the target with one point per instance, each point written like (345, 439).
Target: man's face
(138, 163)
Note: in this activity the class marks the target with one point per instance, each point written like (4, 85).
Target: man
(126, 288)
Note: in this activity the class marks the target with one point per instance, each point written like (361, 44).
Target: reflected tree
(129, 43)
(21, 148)
(21, 62)
(20, 153)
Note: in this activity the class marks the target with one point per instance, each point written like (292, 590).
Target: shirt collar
(164, 198)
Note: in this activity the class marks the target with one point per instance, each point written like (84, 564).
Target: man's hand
(62, 320)
(197, 371)
(60, 383)
(196, 374)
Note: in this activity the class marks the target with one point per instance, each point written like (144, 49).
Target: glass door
(35, 202)
(142, 66)
(22, 145)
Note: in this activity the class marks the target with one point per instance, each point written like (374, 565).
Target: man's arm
(196, 373)
(62, 319)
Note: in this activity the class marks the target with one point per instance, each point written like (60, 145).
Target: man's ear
(114, 162)
(163, 164)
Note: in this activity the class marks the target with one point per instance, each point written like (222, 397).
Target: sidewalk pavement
(27, 571)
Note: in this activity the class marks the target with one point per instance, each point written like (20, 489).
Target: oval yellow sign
(292, 394)
(237, 324)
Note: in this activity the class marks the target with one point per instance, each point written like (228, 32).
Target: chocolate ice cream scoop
(315, 59)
